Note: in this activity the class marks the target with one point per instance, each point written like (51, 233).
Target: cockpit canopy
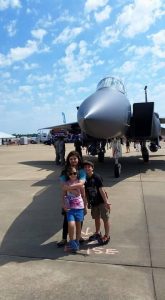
(111, 82)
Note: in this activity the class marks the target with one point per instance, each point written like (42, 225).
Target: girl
(73, 202)
(73, 160)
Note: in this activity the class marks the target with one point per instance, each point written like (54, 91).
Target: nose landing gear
(145, 153)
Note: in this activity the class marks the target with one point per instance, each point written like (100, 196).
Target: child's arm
(105, 198)
(63, 202)
(77, 185)
(82, 190)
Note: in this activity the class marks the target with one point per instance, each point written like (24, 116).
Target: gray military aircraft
(107, 115)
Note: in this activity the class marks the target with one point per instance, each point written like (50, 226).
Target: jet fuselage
(106, 113)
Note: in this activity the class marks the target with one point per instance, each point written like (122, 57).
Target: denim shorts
(76, 215)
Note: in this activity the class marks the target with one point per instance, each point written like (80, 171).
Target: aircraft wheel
(145, 155)
(101, 156)
(117, 170)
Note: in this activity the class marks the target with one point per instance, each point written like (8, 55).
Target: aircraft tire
(146, 158)
(145, 155)
(117, 170)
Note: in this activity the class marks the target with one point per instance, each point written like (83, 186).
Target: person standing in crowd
(98, 202)
(127, 146)
(73, 160)
(78, 145)
(62, 150)
(74, 203)
(137, 146)
(57, 153)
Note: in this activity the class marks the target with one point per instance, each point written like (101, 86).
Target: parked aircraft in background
(107, 115)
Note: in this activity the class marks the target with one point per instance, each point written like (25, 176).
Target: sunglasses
(73, 173)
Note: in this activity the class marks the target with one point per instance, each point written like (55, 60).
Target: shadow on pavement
(32, 234)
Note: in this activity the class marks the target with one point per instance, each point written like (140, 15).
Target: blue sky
(54, 52)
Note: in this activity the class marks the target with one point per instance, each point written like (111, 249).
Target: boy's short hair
(88, 162)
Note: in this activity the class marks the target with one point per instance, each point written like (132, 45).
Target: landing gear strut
(145, 153)
(101, 150)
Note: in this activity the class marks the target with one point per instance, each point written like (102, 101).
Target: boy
(97, 201)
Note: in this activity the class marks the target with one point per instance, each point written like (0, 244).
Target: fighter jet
(107, 115)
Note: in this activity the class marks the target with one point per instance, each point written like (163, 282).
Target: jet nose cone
(92, 116)
(103, 114)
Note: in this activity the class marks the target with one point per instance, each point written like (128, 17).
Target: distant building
(5, 136)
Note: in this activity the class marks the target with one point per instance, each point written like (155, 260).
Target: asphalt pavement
(131, 266)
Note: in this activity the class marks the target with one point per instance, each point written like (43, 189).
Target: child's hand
(108, 206)
(64, 208)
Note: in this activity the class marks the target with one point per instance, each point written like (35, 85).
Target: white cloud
(137, 17)
(127, 67)
(31, 66)
(156, 66)
(70, 49)
(28, 11)
(76, 65)
(11, 28)
(92, 5)
(41, 79)
(103, 15)
(4, 60)
(46, 22)
(5, 75)
(138, 51)
(68, 34)
(19, 53)
(108, 37)
(65, 17)
(39, 33)
(5, 4)
(158, 40)
(25, 89)
(157, 49)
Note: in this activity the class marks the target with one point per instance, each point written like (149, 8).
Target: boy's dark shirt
(92, 186)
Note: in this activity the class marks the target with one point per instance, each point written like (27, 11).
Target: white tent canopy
(4, 135)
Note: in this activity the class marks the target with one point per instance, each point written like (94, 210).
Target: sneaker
(95, 236)
(78, 244)
(81, 240)
(73, 245)
(104, 240)
(62, 243)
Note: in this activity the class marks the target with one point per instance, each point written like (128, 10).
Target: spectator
(78, 145)
(98, 202)
(62, 150)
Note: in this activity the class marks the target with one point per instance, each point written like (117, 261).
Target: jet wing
(162, 131)
(162, 120)
(70, 127)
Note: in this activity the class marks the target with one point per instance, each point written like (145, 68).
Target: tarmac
(131, 266)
